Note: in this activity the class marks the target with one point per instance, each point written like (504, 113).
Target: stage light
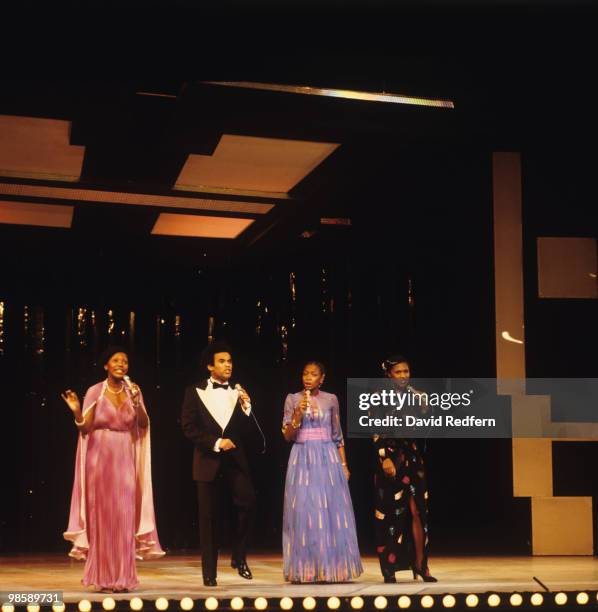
(404, 601)
(286, 603)
(366, 96)
(161, 603)
(237, 603)
(309, 603)
(334, 603)
(560, 599)
(186, 603)
(261, 603)
(8, 608)
(537, 599)
(427, 601)
(471, 601)
(380, 602)
(516, 599)
(108, 603)
(448, 601)
(136, 604)
(84, 605)
(582, 598)
(493, 600)
(357, 603)
(32, 608)
(58, 607)
(211, 603)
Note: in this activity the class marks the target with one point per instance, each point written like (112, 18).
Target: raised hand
(72, 401)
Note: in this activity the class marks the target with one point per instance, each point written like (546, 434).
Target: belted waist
(313, 433)
(115, 430)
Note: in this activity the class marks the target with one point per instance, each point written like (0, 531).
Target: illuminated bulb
(286, 603)
(471, 601)
(261, 603)
(560, 599)
(582, 599)
(380, 602)
(136, 604)
(334, 603)
(493, 600)
(8, 608)
(516, 599)
(32, 608)
(427, 601)
(108, 603)
(84, 605)
(537, 599)
(236, 603)
(356, 603)
(448, 601)
(186, 603)
(309, 603)
(58, 607)
(161, 603)
(404, 601)
(211, 603)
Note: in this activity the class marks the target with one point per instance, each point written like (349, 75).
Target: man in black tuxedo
(216, 417)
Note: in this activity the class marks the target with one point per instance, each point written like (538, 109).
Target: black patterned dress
(393, 531)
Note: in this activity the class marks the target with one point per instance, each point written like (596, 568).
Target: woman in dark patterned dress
(401, 494)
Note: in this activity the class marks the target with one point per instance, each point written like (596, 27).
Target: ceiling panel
(199, 226)
(45, 215)
(272, 165)
(39, 148)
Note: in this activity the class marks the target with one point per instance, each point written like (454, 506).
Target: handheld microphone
(239, 388)
(308, 409)
(130, 385)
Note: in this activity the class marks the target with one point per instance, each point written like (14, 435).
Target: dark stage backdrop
(413, 274)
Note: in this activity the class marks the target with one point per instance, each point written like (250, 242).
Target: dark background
(418, 191)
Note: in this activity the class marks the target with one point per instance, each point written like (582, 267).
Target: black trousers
(243, 496)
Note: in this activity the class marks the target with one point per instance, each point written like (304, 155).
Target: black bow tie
(216, 385)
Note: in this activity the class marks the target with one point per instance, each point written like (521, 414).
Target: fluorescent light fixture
(349, 94)
(200, 226)
(44, 215)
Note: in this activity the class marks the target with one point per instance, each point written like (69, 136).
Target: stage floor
(176, 576)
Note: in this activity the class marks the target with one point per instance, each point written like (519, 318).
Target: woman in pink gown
(112, 520)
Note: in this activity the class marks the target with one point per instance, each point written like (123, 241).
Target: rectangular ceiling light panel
(199, 226)
(44, 215)
(32, 147)
(271, 165)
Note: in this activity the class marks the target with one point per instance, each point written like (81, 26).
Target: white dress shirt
(221, 405)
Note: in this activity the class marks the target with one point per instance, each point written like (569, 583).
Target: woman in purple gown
(318, 537)
(111, 520)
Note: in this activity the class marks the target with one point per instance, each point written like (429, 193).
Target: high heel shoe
(422, 574)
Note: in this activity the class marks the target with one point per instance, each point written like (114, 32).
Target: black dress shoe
(390, 579)
(242, 568)
(210, 582)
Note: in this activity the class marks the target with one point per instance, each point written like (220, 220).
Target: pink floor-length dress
(112, 517)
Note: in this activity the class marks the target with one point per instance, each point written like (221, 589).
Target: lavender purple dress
(319, 538)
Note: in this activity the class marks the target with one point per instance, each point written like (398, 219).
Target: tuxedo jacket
(203, 430)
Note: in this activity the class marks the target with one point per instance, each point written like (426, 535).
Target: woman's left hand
(346, 471)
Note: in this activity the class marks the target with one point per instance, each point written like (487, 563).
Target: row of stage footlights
(319, 604)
